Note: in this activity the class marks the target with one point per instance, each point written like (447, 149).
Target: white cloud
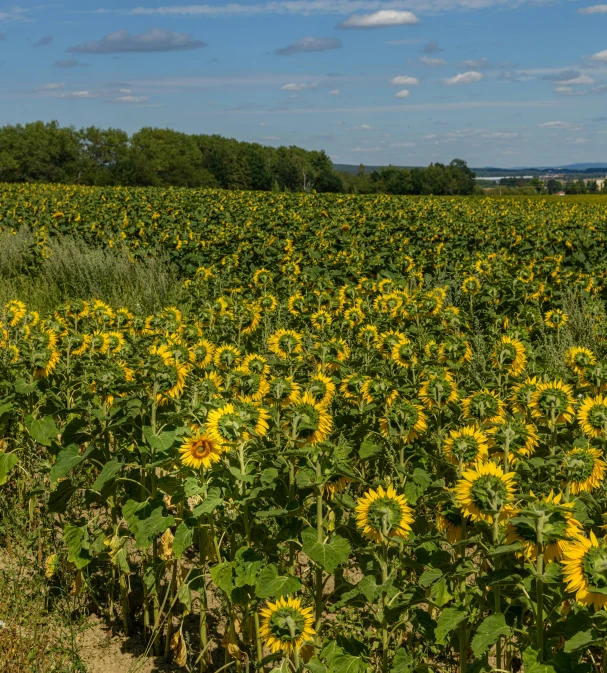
(580, 141)
(404, 80)
(477, 65)
(154, 40)
(580, 79)
(394, 145)
(368, 149)
(402, 94)
(464, 78)
(300, 86)
(594, 9)
(51, 86)
(131, 100)
(335, 92)
(80, 95)
(362, 127)
(433, 62)
(381, 19)
(559, 125)
(309, 45)
(601, 56)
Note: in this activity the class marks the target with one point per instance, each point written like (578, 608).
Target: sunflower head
(484, 491)
(201, 450)
(547, 520)
(556, 319)
(552, 402)
(484, 406)
(286, 625)
(403, 420)
(509, 356)
(383, 514)
(308, 420)
(585, 570)
(466, 445)
(583, 469)
(579, 359)
(592, 416)
(439, 389)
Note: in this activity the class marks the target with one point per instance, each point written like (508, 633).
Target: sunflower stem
(539, 587)
(320, 539)
(497, 591)
(202, 631)
(384, 599)
(463, 628)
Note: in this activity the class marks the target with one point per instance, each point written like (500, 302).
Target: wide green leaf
(450, 619)
(272, 585)
(488, 632)
(330, 555)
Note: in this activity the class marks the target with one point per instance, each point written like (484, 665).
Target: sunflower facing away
(520, 438)
(556, 319)
(466, 445)
(438, 390)
(383, 514)
(309, 421)
(583, 469)
(286, 626)
(509, 356)
(559, 526)
(484, 406)
(484, 490)
(285, 343)
(578, 359)
(449, 521)
(522, 393)
(592, 416)
(552, 402)
(403, 419)
(585, 570)
(201, 450)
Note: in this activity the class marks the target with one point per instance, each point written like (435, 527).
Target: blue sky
(495, 82)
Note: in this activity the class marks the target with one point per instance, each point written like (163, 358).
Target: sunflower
(553, 402)
(201, 450)
(484, 491)
(309, 422)
(455, 349)
(558, 526)
(556, 319)
(237, 421)
(284, 390)
(285, 343)
(438, 390)
(404, 355)
(321, 319)
(226, 357)
(351, 387)
(592, 416)
(336, 351)
(252, 387)
(403, 419)
(355, 314)
(595, 376)
(450, 520)
(585, 570)
(383, 514)
(386, 341)
(583, 469)
(16, 311)
(509, 356)
(322, 388)
(202, 353)
(262, 277)
(286, 626)
(471, 285)
(255, 363)
(268, 303)
(579, 358)
(467, 445)
(367, 335)
(484, 406)
(520, 438)
(250, 318)
(336, 483)
(378, 390)
(522, 393)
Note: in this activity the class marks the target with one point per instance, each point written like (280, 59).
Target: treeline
(48, 152)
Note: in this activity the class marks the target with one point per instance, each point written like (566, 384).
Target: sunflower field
(371, 436)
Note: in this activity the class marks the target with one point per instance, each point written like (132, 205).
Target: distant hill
(588, 168)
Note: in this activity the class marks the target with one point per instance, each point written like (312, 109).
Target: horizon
(515, 85)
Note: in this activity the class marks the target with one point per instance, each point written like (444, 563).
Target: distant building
(561, 194)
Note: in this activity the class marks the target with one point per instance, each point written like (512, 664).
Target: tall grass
(71, 270)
